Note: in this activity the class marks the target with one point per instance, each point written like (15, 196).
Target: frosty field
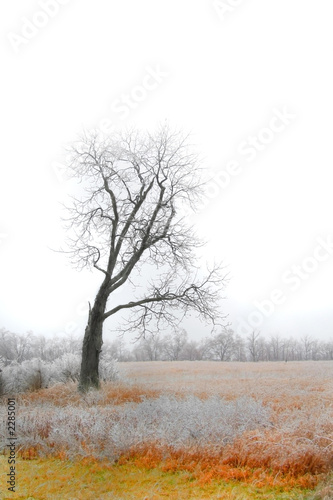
(180, 430)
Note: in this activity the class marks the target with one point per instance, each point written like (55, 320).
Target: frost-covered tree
(129, 216)
(15, 347)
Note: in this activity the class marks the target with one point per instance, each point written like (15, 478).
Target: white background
(223, 76)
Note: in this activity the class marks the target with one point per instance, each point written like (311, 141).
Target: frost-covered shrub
(108, 370)
(35, 374)
(179, 423)
(27, 376)
(66, 368)
(165, 421)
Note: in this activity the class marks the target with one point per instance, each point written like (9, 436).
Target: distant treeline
(224, 346)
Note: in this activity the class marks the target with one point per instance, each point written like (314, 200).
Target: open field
(181, 430)
(266, 380)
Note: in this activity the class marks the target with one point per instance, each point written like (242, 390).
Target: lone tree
(128, 218)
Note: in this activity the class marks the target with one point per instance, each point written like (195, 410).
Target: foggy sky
(252, 83)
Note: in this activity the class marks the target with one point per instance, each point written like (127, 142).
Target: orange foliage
(206, 467)
(29, 453)
(67, 394)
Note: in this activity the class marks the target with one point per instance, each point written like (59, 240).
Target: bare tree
(117, 350)
(307, 343)
(222, 346)
(128, 217)
(149, 348)
(239, 349)
(191, 351)
(253, 345)
(174, 345)
(328, 350)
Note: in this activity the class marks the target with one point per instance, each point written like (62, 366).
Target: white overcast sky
(225, 72)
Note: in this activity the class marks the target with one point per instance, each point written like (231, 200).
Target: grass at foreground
(277, 445)
(57, 479)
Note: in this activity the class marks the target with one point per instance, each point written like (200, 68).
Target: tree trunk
(92, 343)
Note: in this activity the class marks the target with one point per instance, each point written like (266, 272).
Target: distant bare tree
(275, 347)
(239, 349)
(174, 345)
(307, 344)
(254, 345)
(192, 351)
(129, 216)
(149, 348)
(117, 349)
(328, 350)
(222, 345)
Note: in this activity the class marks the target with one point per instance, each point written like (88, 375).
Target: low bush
(110, 431)
(34, 374)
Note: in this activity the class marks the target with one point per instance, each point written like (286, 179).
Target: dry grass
(271, 382)
(300, 441)
(61, 395)
(294, 451)
(88, 479)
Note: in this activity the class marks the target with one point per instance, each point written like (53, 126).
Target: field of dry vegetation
(219, 427)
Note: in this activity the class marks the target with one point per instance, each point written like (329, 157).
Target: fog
(253, 85)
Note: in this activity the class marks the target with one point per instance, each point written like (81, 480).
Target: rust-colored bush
(114, 393)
